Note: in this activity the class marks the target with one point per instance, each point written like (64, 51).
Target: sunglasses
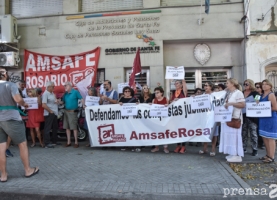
(257, 87)
(246, 84)
(157, 92)
(206, 85)
(127, 91)
(145, 88)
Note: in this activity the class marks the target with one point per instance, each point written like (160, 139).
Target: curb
(242, 183)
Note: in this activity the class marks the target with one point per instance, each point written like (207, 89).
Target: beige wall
(180, 23)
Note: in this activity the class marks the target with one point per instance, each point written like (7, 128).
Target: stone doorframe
(264, 64)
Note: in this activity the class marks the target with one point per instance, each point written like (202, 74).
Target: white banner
(108, 127)
(32, 103)
(262, 109)
(221, 114)
(200, 101)
(175, 72)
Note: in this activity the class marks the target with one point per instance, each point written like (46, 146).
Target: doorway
(196, 78)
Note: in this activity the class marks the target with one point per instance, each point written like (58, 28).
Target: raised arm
(185, 89)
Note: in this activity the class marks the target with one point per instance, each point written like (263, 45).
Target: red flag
(136, 69)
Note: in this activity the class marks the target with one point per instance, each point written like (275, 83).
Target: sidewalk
(92, 173)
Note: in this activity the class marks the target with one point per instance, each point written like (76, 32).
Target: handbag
(234, 123)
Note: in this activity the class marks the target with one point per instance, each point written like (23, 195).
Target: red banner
(79, 69)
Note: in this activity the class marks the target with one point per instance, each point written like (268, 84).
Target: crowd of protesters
(231, 141)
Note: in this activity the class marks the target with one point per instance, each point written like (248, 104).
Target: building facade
(261, 45)
(168, 32)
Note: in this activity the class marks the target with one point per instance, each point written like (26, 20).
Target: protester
(160, 99)
(128, 97)
(230, 140)
(259, 88)
(33, 115)
(110, 96)
(268, 125)
(92, 91)
(146, 96)
(70, 120)
(11, 125)
(22, 88)
(179, 92)
(249, 123)
(216, 88)
(221, 87)
(208, 87)
(50, 105)
(260, 91)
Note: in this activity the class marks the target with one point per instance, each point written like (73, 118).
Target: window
(193, 2)
(196, 78)
(33, 8)
(110, 5)
(100, 76)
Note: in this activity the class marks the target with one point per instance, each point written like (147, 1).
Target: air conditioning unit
(9, 59)
(8, 29)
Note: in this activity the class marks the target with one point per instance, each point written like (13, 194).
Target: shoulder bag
(234, 123)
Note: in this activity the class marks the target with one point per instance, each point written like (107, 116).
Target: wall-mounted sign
(132, 50)
(202, 53)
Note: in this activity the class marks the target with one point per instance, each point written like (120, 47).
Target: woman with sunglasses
(179, 92)
(146, 96)
(259, 89)
(249, 123)
(128, 97)
(209, 87)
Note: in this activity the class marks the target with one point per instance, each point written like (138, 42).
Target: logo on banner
(77, 76)
(107, 135)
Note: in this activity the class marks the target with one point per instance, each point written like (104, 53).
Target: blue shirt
(71, 99)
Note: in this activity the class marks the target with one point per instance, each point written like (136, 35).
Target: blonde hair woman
(268, 125)
(250, 123)
(32, 122)
(230, 140)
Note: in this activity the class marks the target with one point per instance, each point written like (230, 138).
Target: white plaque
(221, 114)
(92, 101)
(32, 103)
(262, 109)
(200, 101)
(157, 110)
(129, 109)
(175, 72)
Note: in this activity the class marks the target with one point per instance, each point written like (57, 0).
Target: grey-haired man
(50, 105)
(70, 119)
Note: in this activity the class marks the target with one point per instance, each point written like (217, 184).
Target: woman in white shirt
(231, 140)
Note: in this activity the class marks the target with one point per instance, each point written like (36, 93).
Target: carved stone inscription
(115, 27)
